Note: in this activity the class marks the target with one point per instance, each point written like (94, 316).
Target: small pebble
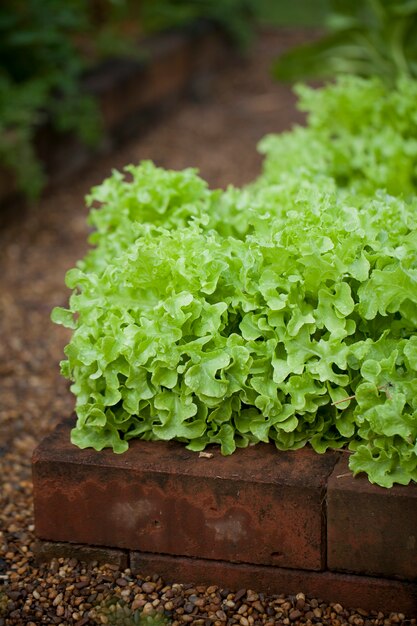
(148, 609)
(58, 599)
(258, 606)
(239, 594)
(251, 596)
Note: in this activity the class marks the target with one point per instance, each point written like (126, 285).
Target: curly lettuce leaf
(285, 311)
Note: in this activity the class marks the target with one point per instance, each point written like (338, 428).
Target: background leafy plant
(39, 81)
(235, 17)
(46, 46)
(366, 38)
(284, 311)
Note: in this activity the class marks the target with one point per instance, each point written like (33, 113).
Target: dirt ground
(217, 134)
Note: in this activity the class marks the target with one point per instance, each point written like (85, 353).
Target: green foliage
(288, 13)
(235, 17)
(284, 311)
(114, 611)
(366, 37)
(45, 46)
(39, 81)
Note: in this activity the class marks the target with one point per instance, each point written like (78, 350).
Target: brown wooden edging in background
(129, 93)
(278, 521)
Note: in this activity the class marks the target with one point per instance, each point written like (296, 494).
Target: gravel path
(218, 135)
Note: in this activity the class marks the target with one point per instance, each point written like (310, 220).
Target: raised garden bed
(280, 521)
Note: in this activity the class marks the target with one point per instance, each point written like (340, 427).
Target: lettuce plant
(360, 133)
(285, 311)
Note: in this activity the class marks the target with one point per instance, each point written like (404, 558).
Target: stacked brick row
(280, 522)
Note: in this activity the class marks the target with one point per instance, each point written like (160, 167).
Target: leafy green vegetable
(360, 133)
(284, 311)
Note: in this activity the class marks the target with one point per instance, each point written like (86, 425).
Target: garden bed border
(161, 508)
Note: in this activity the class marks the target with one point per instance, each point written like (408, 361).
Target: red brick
(255, 506)
(370, 529)
(364, 592)
(47, 550)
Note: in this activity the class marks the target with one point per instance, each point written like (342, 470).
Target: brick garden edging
(282, 522)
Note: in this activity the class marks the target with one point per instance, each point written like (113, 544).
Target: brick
(371, 530)
(258, 505)
(364, 592)
(48, 550)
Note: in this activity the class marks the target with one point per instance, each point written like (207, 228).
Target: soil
(216, 130)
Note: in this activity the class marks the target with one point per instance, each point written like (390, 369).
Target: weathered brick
(47, 550)
(255, 506)
(371, 530)
(364, 592)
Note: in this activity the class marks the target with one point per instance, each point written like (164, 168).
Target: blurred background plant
(365, 37)
(47, 46)
(235, 17)
(40, 68)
